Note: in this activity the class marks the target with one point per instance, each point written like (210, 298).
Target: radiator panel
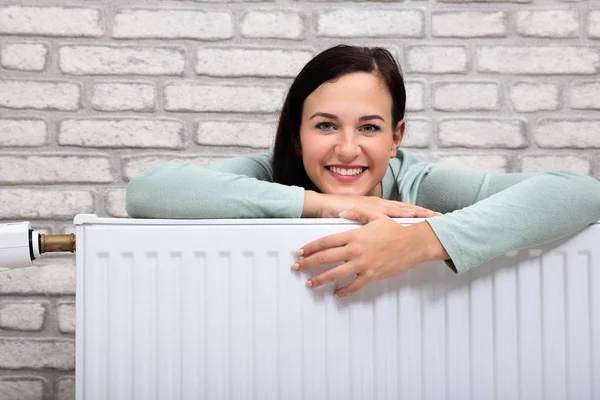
(211, 311)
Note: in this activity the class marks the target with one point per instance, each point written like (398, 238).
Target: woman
(337, 154)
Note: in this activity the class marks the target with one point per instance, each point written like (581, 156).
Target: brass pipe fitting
(57, 243)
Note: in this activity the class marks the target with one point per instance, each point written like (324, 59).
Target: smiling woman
(337, 154)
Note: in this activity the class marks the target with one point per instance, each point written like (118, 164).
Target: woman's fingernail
(337, 296)
(437, 213)
(296, 266)
(300, 252)
(309, 284)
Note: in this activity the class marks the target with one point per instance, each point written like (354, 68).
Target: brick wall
(93, 92)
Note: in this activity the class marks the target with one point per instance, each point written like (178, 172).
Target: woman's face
(346, 135)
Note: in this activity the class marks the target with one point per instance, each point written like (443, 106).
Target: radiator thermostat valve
(20, 245)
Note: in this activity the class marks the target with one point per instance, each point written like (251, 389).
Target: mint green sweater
(485, 215)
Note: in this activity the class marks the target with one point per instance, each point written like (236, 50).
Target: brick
(593, 24)
(247, 134)
(366, 22)
(47, 277)
(173, 24)
(575, 133)
(250, 62)
(273, 25)
(140, 133)
(21, 388)
(24, 56)
(61, 96)
(466, 96)
(546, 163)
(485, 163)
(585, 95)
(115, 203)
(44, 203)
(549, 23)
(134, 166)
(51, 21)
(417, 133)
(37, 353)
(530, 97)
(66, 317)
(23, 132)
(54, 169)
(437, 59)
(223, 98)
(22, 316)
(65, 388)
(414, 96)
(468, 24)
(105, 60)
(538, 60)
(482, 133)
(123, 97)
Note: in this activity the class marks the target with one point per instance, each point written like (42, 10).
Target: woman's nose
(348, 147)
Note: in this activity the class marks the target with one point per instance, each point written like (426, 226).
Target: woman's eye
(370, 128)
(325, 126)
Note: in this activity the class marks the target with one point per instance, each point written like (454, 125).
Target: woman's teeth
(345, 171)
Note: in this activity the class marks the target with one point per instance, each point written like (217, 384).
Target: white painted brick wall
(250, 62)
(40, 95)
(487, 163)
(539, 60)
(24, 56)
(282, 24)
(191, 96)
(23, 132)
(34, 353)
(21, 388)
(66, 317)
(585, 95)
(51, 21)
(465, 96)
(484, 133)
(54, 169)
(545, 163)
(551, 24)
(123, 96)
(142, 133)
(173, 24)
(22, 316)
(437, 59)
(110, 60)
(469, 24)
(94, 93)
(593, 24)
(533, 96)
(369, 22)
(556, 133)
(242, 133)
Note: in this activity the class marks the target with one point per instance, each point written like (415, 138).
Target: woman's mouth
(346, 175)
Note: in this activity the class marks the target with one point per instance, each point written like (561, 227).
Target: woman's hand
(318, 205)
(381, 249)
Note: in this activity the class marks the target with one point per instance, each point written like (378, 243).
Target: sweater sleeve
(234, 188)
(487, 215)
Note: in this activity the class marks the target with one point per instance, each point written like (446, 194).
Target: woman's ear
(398, 134)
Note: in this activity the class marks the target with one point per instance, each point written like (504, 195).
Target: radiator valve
(20, 245)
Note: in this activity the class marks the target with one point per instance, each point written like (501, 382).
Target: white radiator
(211, 310)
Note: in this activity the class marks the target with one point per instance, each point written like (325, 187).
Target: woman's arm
(233, 188)
(488, 215)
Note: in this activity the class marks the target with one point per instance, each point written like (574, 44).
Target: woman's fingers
(357, 283)
(322, 258)
(332, 275)
(324, 243)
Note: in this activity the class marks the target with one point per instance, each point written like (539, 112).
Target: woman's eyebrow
(331, 116)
